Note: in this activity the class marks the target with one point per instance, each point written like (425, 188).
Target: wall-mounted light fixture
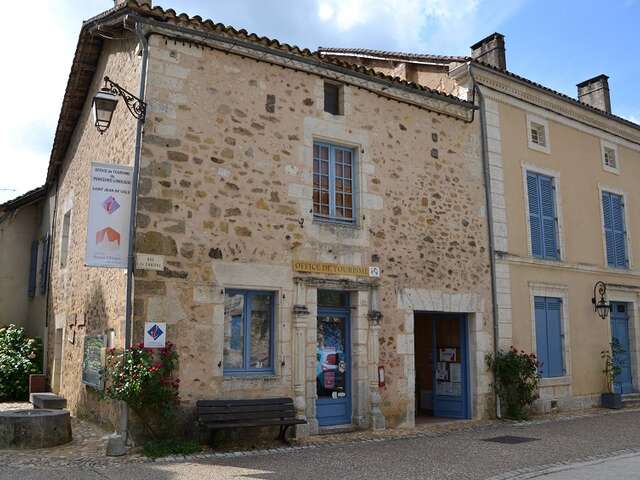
(600, 303)
(106, 100)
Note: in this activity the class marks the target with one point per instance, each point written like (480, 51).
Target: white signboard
(145, 261)
(109, 212)
(155, 335)
(374, 272)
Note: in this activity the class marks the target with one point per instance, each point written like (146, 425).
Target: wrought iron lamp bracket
(137, 107)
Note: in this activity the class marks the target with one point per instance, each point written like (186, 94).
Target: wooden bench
(218, 414)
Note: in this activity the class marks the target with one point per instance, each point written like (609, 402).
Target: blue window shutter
(535, 215)
(44, 268)
(33, 268)
(548, 208)
(541, 335)
(614, 230)
(555, 366)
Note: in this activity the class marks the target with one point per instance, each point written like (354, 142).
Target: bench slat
(244, 416)
(246, 408)
(257, 423)
(255, 401)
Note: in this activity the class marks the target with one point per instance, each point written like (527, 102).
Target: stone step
(49, 401)
(630, 400)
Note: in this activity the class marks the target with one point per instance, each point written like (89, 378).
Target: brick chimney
(595, 92)
(491, 50)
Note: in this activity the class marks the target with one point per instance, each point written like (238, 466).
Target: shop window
(543, 220)
(333, 183)
(615, 232)
(248, 332)
(549, 336)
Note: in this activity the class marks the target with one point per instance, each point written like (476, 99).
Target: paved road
(621, 467)
(462, 455)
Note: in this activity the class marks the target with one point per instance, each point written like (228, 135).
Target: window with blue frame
(543, 219)
(614, 230)
(549, 336)
(248, 332)
(333, 183)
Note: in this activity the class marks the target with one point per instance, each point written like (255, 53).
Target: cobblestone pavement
(434, 450)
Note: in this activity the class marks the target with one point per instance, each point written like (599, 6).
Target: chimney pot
(595, 92)
(491, 50)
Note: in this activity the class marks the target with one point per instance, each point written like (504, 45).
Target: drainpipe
(492, 250)
(52, 241)
(124, 418)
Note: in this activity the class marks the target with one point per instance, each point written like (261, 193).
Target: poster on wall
(93, 361)
(109, 211)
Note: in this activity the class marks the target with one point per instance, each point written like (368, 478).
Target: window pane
(233, 331)
(339, 200)
(347, 201)
(332, 98)
(260, 353)
(347, 186)
(333, 298)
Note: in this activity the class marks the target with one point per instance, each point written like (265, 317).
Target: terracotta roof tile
(424, 57)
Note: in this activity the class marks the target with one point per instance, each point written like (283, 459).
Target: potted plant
(612, 368)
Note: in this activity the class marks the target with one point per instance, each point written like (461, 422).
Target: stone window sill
(555, 381)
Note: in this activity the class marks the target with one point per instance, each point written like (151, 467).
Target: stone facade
(226, 198)
(85, 300)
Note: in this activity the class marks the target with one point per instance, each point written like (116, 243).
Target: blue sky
(557, 43)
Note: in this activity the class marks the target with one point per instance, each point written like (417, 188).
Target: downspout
(52, 241)
(124, 419)
(492, 251)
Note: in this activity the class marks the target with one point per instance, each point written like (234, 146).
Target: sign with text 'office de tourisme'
(109, 215)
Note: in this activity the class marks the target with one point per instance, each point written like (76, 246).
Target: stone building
(318, 229)
(562, 183)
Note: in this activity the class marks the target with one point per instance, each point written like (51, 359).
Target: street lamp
(106, 100)
(600, 305)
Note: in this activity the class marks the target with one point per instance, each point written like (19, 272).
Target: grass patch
(163, 448)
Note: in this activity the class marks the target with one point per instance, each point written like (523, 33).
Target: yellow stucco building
(564, 204)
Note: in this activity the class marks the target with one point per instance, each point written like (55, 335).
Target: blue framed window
(249, 319)
(549, 336)
(543, 219)
(333, 183)
(614, 230)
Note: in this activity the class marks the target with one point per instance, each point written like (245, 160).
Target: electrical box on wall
(380, 376)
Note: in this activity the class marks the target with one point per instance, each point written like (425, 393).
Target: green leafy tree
(516, 380)
(20, 356)
(144, 379)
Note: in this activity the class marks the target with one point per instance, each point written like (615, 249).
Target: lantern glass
(104, 104)
(603, 309)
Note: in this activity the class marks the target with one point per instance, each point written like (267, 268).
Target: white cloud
(433, 26)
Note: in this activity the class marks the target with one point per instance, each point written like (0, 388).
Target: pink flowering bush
(144, 379)
(516, 380)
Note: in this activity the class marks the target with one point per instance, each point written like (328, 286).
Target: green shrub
(516, 380)
(20, 356)
(143, 379)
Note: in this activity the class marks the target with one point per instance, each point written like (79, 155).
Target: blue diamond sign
(155, 334)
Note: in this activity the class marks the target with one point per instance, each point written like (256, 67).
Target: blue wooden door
(333, 367)
(620, 331)
(450, 397)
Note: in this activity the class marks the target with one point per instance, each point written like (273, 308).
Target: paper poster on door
(109, 215)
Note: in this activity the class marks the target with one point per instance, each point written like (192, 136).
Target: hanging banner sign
(109, 215)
